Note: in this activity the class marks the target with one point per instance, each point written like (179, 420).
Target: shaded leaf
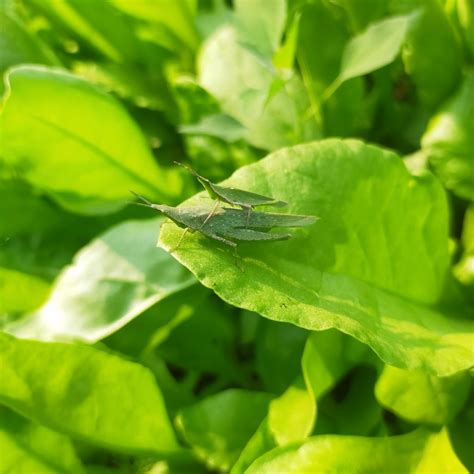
(432, 54)
(328, 356)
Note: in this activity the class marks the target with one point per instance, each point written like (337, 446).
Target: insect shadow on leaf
(229, 226)
(233, 196)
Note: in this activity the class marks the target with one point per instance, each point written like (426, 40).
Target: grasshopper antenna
(145, 202)
(186, 167)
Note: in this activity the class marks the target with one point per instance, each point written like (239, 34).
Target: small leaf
(376, 47)
(80, 390)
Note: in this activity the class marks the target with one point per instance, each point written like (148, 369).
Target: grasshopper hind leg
(185, 231)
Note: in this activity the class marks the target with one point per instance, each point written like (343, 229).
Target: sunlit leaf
(371, 267)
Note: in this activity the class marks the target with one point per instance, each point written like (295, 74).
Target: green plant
(347, 347)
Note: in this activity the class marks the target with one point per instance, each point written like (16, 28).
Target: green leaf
(464, 269)
(80, 391)
(241, 82)
(278, 369)
(422, 398)
(29, 447)
(216, 125)
(432, 54)
(72, 124)
(449, 143)
(372, 267)
(173, 22)
(262, 23)
(351, 409)
(341, 114)
(32, 212)
(376, 47)
(465, 13)
(416, 452)
(205, 341)
(290, 418)
(327, 357)
(21, 292)
(18, 46)
(218, 427)
(460, 433)
(112, 280)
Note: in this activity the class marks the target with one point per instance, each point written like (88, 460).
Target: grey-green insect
(233, 196)
(230, 226)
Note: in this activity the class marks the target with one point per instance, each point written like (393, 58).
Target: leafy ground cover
(348, 347)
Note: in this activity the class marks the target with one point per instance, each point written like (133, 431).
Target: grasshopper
(233, 196)
(229, 226)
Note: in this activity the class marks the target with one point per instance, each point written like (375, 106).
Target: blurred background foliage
(101, 96)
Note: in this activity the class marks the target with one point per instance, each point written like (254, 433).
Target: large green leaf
(87, 393)
(112, 280)
(372, 267)
(72, 125)
(416, 452)
(218, 427)
(420, 397)
(449, 141)
(27, 447)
